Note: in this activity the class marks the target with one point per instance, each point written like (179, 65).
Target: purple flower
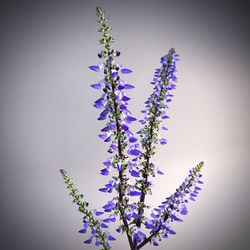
(111, 237)
(128, 86)
(89, 241)
(113, 74)
(83, 231)
(155, 243)
(105, 190)
(125, 98)
(135, 193)
(105, 171)
(130, 118)
(134, 152)
(96, 68)
(135, 173)
(132, 139)
(135, 215)
(96, 86)
(126, 71)
(98, 213)
(163, 141)
(122, 106)
(103, 225)
(159, 172)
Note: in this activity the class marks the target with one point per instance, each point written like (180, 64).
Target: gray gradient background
(47, 121)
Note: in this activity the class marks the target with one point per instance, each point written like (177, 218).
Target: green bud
(104, 54)
(63, 172)
(102, 41)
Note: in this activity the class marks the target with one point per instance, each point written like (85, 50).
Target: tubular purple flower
(96, 68)
(89, 241)
(126, 71)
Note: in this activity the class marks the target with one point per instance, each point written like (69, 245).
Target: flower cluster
(90, 219)
(129, 159)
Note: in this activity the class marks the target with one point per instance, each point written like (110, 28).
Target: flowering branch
(89, 220)
(132, 166)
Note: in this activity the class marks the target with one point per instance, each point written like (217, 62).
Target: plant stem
(118, 131)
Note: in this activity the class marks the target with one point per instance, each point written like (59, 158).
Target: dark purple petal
(120, 87)
(165, 117)
(126, 71)
(95, 68)
(83, 231)
(128, 217)
(108, 139)
(132, 139)
(109, 206)
(154, 215)
(130, 118)
(135, 193)
(155, 244)
(136, 216)
(100, 100)
(159, 172)
(164, 128)
(106, 220)
(99, 213)
(113, 75)
(108, 185)
(128, 86)
(111, 237)
(184, 212)
(124, 127)
(103, 225)
(113, 219)
(105, 171)
(104, 112)
(107, 163)
(89, 241)
(99, 105)
(101, 118)
(125, 98)
(105, 190)
(134, 152)
(172, 231)
(106, 129)
(135, 173)
(122, 106)
(96, 86)
(163, 141)
(176, 218)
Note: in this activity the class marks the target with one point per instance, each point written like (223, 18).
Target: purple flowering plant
(130, 159)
